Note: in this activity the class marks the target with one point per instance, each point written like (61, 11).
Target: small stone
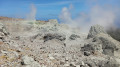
(66, 65)
(72, 64)
(83, 63)
(66, 59)
(86, 53)
(77, 65)
(18, 51)
(62, 63)
(51, 57)
(22, 63)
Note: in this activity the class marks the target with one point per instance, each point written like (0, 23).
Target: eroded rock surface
(94, 30)
(57, 45)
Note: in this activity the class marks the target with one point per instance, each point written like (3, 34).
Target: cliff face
(49, 44)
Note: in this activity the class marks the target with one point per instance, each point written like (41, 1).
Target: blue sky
(48, 9)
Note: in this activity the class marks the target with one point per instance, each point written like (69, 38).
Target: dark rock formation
(73, 37)
(54, 36)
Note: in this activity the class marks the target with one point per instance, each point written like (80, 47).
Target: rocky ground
(49, 44)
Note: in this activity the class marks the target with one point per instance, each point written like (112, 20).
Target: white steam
(104, 16)
(32, 14)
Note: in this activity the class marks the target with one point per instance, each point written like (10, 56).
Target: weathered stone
(3, 32)
(109, 45)
(88, 47)
(94, 30)
(51, 57)
(54, 36)
(86, 53)
(3, 29)
(29, 62)
(73, 37)
(66, 65)
(112, 63)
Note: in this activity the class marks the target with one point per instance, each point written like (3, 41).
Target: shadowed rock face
(115, 33)
(109, 45)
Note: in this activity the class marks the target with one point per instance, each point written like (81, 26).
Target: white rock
(66, 65)
(29, 62)
(83, 63)
(4, 51)
(77, 65)
(51, 57)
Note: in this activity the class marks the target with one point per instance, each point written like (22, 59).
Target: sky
(75, 13)
(47, 8)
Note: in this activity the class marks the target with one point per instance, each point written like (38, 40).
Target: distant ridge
(2, 18)
(10, 19)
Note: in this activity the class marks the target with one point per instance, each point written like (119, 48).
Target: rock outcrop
(94, 30)
(3, 33)
(109, 45)
(56, 45)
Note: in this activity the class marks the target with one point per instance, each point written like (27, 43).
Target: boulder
(74, 36)
(112, 63)
(87, 53)
(109, 45)
(54, 36)
(87, 49)
(29, 62)
(103, 42)
(91, 48)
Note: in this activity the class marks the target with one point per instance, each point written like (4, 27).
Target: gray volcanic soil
(50, 44)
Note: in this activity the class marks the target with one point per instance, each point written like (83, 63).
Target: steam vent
(50, 44)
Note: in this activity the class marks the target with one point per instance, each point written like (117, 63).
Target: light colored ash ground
(49, 44)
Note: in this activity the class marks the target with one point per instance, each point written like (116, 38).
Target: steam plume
(32, 14)
(105, 16)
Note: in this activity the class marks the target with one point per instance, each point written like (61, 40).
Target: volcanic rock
(94, 30)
